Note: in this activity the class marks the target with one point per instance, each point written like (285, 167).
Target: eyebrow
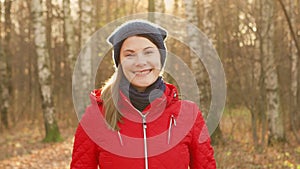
(149, 47)
(131, 50)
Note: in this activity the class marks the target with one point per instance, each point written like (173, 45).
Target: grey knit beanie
(142, 28)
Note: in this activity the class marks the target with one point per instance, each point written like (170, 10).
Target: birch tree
(84, 72)
(208, 25)
(159, 6)
(197, 68)
(151, 8)
(155, 7)
(5, 71)
(294, 117)
(69, 34)
(191, 15)
(3, 88)
(209, 28)
(275, 125)
(44, 73)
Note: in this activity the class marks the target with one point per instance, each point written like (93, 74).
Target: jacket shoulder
(95, 96)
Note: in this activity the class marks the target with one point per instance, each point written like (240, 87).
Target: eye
(148, 52)
(129, 54)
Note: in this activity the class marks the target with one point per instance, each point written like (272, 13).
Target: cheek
(156, 62)
(126, 70)
(126, 65)
(127, 73)
(156, 72)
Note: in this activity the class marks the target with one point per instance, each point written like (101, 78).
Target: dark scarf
(140, 100)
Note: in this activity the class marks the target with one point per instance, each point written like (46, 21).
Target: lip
(143, 72)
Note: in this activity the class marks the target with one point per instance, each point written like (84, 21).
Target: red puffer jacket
(168, 134)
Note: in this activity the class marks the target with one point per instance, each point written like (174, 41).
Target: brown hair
(110, 97)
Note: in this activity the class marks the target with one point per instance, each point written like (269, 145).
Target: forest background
(257, 42)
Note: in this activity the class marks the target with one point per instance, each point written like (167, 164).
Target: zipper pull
(144, 122)
(172, 121)
(120, 138)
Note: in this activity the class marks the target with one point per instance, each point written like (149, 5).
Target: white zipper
(172, 121)
(144, 123)
(120, 138)
(145, 140)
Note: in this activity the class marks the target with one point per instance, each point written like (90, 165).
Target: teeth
(142, 72)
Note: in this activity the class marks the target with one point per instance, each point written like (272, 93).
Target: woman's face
(140, 60)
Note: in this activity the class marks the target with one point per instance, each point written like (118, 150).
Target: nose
(140, 59)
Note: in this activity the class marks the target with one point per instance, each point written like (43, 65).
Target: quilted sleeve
(85, 151)
(201, 151)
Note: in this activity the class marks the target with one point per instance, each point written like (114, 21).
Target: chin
(143, 83)
(137, 84)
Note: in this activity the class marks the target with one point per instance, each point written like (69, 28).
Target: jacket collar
(171, 94)
(155, 108)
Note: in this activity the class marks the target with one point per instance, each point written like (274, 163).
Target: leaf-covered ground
(54, 156)
(239, 151)
(21, 148)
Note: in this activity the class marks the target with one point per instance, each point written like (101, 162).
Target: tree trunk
(159, 6)
(275, 125)
(298, 91)
(295, 71)
(69, 34)
(4, 94)
(108, 11)
(0, 21)
(191, 15)
(262, 103)
(5, 68)
(33, 74)
(208, 26)
(294, 117)
(151, 8)
(199, 72)
(209, 29)
(44, 73)
(259, 100)
(195, 62)
(176, 8)
(48, 25)
(85, 68)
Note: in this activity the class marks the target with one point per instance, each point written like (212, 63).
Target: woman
(150, 127)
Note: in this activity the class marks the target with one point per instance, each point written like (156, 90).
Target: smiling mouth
(143, 72)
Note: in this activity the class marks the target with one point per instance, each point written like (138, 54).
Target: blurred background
(257, 42)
